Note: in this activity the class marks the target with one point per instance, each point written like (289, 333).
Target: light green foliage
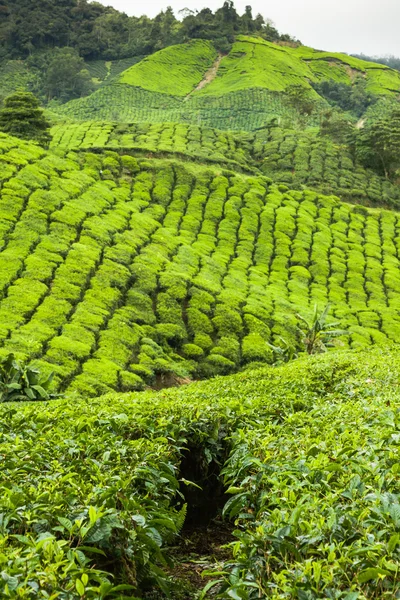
(203, 143)
(255, 74)
(175, 70)
(301, 159)
(287, 156)
(116, 272)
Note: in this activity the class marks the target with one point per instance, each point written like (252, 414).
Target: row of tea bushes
(118, 273)
(306, 159)
(190, 140)
(244, 110)
(308, 454)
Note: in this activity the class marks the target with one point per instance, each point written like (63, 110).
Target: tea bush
(307, 159)
(118, 273)
(249, 88)
(308, 453)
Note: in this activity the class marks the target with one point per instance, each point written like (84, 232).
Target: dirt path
(208, 77)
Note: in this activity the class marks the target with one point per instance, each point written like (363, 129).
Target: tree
(335, 125)
(318, 333)
(23, 117)
(66, 76)
(378, 144)
(300, 98)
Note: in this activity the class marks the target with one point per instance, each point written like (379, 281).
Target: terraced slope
(244, 93)
(190, 141)
(120, 273)
(297, 158)
(307, 159)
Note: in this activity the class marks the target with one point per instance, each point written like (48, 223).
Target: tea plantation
(300, 159)
(247, 89)
(307, 452)
(118, 272)
(157, 262)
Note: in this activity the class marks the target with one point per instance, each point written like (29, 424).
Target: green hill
(243, 91)
(119, 273)
(186, 217)
(300, 159)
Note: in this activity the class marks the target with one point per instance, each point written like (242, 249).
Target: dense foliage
(22, 382)
(244, 89)
(308, 454)
(118, 273)
(22, 117)
(96, 31)
(307, 159)
(378, 144)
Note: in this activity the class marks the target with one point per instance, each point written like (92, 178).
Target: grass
(306, 452)
(175, 70)
(119, 273)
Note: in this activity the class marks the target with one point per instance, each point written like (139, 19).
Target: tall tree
(65, 77)
(378, 144)
(23, 117)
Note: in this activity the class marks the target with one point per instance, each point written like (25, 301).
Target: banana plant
(20, 382)
(318, 334)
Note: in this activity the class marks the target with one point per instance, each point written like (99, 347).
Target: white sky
(354, 26)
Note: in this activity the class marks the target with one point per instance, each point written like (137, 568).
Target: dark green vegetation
(98, 32)
(22, 117)
(21, 382)
(307, 453)
(218, 206)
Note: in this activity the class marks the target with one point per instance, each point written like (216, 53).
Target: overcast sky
(354, 26)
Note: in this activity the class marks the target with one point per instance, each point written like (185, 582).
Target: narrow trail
(208, 77)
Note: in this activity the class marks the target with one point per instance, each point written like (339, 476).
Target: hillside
(200, 287)
(300, 159)
(119, 273)
(245, 90)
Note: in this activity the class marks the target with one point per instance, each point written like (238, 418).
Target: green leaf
(372, 573)
(80, 588)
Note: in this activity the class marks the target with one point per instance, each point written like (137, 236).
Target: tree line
(99, 32)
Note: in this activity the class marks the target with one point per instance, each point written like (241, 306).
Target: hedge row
(191, 140)
(305, 159)
(118, 274)
(91, 492)
(241, 110)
